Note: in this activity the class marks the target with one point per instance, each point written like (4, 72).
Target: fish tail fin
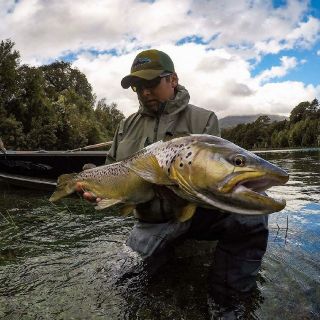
(66, 185)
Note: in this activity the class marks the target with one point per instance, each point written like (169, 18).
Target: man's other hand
(88, 166)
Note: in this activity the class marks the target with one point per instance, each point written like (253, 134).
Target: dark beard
(155, 107)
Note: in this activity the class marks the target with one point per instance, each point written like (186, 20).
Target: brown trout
(206, 171)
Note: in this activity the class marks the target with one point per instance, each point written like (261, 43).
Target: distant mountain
(232, 121)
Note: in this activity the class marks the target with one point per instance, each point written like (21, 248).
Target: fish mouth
(253, 191)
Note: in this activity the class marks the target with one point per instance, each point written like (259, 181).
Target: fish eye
(239, 161)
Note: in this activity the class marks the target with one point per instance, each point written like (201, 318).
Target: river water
(70, 262)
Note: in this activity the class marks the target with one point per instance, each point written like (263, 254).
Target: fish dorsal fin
(187, 212)
(127, 209)
(148, 168)
(106, 203)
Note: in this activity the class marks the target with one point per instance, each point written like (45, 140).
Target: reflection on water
(291, 265)
(70, 262)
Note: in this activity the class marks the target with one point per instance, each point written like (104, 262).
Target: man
(165, 111)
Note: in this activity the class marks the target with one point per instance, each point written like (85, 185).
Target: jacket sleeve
(112, 153)
(212, 126)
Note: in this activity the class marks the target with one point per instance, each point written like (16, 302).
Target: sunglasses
(139, 85)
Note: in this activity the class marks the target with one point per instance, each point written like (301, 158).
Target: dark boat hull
(41, 169)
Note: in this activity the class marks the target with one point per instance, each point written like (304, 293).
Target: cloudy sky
(235, 57)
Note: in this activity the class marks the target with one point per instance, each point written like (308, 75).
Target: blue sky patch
(279, 3)
(11, 9)
(72, 56)
(195, 39)
(306, 71)
(315, 8)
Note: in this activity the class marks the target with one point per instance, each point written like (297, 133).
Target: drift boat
(40, 169)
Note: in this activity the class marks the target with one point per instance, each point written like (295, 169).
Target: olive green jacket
(144, 127)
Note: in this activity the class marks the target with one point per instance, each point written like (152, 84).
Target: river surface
(68, 261)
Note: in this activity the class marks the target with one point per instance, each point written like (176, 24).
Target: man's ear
(174, 80)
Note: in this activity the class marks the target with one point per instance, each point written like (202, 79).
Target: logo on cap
(140, 61)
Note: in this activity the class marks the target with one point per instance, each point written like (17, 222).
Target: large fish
(204, 170)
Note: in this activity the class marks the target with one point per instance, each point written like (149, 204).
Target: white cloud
(217, 73)
(215, 79)
(318, 52)
(306, 34)
(287, 63)
(47, 29)
(279, 98)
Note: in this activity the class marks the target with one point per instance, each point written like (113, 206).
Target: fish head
(223, 175)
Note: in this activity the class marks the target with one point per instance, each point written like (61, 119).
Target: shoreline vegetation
(301, 130)
(50, 107)
(301, 149)
(53, 107)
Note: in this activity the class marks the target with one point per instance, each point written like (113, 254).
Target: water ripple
(70, 262)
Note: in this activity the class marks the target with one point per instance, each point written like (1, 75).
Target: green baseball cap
(148, 64)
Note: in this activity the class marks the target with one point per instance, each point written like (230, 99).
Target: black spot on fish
(181, 164)
(189, 154)
(190, 162)
(168, 170)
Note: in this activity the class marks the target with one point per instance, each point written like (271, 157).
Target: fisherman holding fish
(164, 112)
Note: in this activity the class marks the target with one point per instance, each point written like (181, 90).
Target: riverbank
(311, 149)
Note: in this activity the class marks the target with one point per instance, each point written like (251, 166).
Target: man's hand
(86, 195)
(88, 166)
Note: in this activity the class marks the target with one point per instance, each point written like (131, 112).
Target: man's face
(153, 93)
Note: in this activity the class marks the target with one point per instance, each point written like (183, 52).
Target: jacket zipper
(156, 127)
(155, 131)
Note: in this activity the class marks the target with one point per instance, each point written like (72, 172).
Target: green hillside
(232, 121)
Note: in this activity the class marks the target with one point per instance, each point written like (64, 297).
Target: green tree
(108, 116)
(283, 139)
(9, 75)
(60, 77)
(261, 127)
(11, 132)
(10, 128)
(298, 112)
(296, 133)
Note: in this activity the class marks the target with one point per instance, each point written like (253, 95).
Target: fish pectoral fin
(187, 212)
(106, 203)
(148, 168)
(180, 181)
(127, 209)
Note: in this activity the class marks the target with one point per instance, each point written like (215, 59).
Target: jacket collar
(173, 106)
